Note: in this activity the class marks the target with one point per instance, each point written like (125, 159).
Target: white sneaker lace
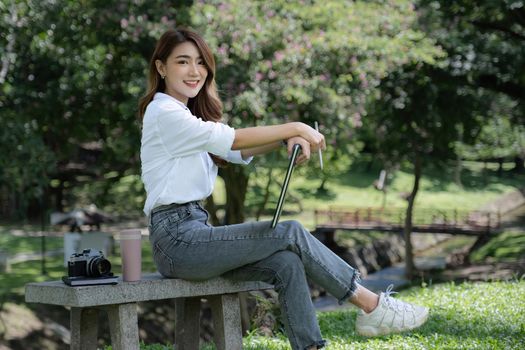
(394, 304)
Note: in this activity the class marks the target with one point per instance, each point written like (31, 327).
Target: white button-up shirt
(176, 166)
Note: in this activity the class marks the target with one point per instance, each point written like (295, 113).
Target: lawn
(487, 315)
(480, 185)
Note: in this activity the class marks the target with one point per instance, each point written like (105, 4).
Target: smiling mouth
(192, 83)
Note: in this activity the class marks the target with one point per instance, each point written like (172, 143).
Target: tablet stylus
(320, 152)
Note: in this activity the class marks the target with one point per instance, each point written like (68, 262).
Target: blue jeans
(186, 246)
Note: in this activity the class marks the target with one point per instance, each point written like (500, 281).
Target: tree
(485, 42)
(71, 76)
(425, 111)
(73, 71)
(418, 118)
(280, 61)
(499, 138)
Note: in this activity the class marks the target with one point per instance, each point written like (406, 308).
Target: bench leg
(84, 328)
(226, 313)
(123, 326)
(187, 323)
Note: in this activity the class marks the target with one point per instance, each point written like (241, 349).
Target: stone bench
(120, 303)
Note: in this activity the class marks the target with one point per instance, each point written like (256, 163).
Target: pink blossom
(222, 50)
(278, 55)
(356, 120)
(258, 76)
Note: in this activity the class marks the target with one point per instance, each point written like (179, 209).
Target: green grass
(355, 189)
(486, 315)
(23, 244)
(506, 246)
(31, 271)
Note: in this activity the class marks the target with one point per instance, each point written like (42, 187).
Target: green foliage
(484, 41)
(380, 76)
(120, 195)
(499, 137)
(507, 246)
(26, 163)
(283, 61)
(71, 76)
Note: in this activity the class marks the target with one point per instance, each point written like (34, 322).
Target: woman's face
(184, 72)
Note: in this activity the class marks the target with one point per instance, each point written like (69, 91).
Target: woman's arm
(303, 156)
(254, 151)
(269, 136)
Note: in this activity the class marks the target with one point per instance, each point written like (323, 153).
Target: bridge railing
(396, 216)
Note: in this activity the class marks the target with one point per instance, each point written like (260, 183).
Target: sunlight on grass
(31, 271)
(24, 244)
(507, 246)
(355, 189)
(462, 316)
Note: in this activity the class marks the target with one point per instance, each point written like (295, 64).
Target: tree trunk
(519, 165)
(457, 171)
(260, 210)
(500, 167)
(407, 232)
(236, 183)
(211, 208)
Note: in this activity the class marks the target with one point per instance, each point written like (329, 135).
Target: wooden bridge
(473, 223)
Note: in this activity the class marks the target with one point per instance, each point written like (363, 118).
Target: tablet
(295, 152)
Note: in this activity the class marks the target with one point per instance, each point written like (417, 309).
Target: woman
(183, 143)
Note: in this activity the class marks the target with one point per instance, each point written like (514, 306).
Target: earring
(163, 76)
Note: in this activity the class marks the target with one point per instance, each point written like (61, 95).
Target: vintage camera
(89, 263)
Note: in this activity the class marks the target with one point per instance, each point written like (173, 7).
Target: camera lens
(98, 267)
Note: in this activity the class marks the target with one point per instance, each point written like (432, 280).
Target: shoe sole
(374, 331)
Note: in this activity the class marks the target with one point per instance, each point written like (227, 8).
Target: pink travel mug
(131, 253)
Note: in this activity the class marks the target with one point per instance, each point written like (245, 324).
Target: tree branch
(492, 82)
(498, 27)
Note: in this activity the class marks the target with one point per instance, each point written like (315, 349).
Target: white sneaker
(390, 316)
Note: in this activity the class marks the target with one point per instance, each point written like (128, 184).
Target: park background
(432, 92)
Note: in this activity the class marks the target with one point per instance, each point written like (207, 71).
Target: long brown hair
(207, 104)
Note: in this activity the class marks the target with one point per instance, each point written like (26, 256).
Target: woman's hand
(305, 153)
(314, 137)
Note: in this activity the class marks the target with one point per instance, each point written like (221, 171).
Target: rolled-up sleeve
(183, 134)
(236, 158)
